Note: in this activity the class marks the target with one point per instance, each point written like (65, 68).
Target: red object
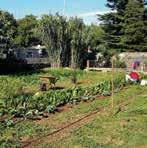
(134, 75)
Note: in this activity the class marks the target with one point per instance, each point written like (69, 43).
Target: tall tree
(7, 30)
(63, 39)
(27, 32)
(117, 24)
(48, 28)
(145, 26)
(112, 23)
(54, 32)
(93, 35)
(134, 26)
(77, 42)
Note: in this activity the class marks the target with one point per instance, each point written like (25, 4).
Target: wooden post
(144, 68)
(112, 83)
(88, 64)
(88, 61)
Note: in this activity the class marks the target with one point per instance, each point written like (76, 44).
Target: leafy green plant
(10, 89)
(9, 142)
(8, 123)
(19, 112)
(50, 109)
(74, 77)
(21, 104)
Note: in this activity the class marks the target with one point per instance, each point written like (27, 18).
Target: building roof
(38, 47)
(133, 55)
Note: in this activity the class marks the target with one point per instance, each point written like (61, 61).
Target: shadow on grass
(21, 70)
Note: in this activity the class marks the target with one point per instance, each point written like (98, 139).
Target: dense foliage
(66, 40)
(8, 26)
(125, 27)
(134, 28)
(26, 34)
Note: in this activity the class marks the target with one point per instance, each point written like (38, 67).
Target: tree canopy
(134, 26)
(8, 26)
(125, 28)
(67, 39)
(27, 29)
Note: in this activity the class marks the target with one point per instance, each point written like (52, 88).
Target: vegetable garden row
(30, 105)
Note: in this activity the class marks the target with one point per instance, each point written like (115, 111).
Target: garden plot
(131, 100)
(17, 103)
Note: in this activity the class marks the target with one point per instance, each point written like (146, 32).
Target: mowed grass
(127, 128)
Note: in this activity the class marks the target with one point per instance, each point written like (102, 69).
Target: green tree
(77, 42)
(117, 25)
(145, 27)
(112, 23)
(7, 30)
(27, 32)
(50, 31)
(63, 39)
(134, 27)
(93, 35)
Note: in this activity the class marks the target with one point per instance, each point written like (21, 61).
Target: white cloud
(91, 17)
(93, 13)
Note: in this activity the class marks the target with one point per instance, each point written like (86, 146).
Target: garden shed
(32, 55)
(130, 57)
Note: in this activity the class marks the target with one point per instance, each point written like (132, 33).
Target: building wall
(31, 56)
(131, 57)
(27, 53)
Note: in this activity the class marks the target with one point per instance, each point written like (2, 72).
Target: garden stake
(112, 81)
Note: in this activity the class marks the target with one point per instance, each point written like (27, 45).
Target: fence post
(88, 64)
(112, 83)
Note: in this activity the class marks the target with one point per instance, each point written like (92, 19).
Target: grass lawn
(128, 128)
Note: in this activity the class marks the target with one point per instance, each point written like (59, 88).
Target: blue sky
(20, 8)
